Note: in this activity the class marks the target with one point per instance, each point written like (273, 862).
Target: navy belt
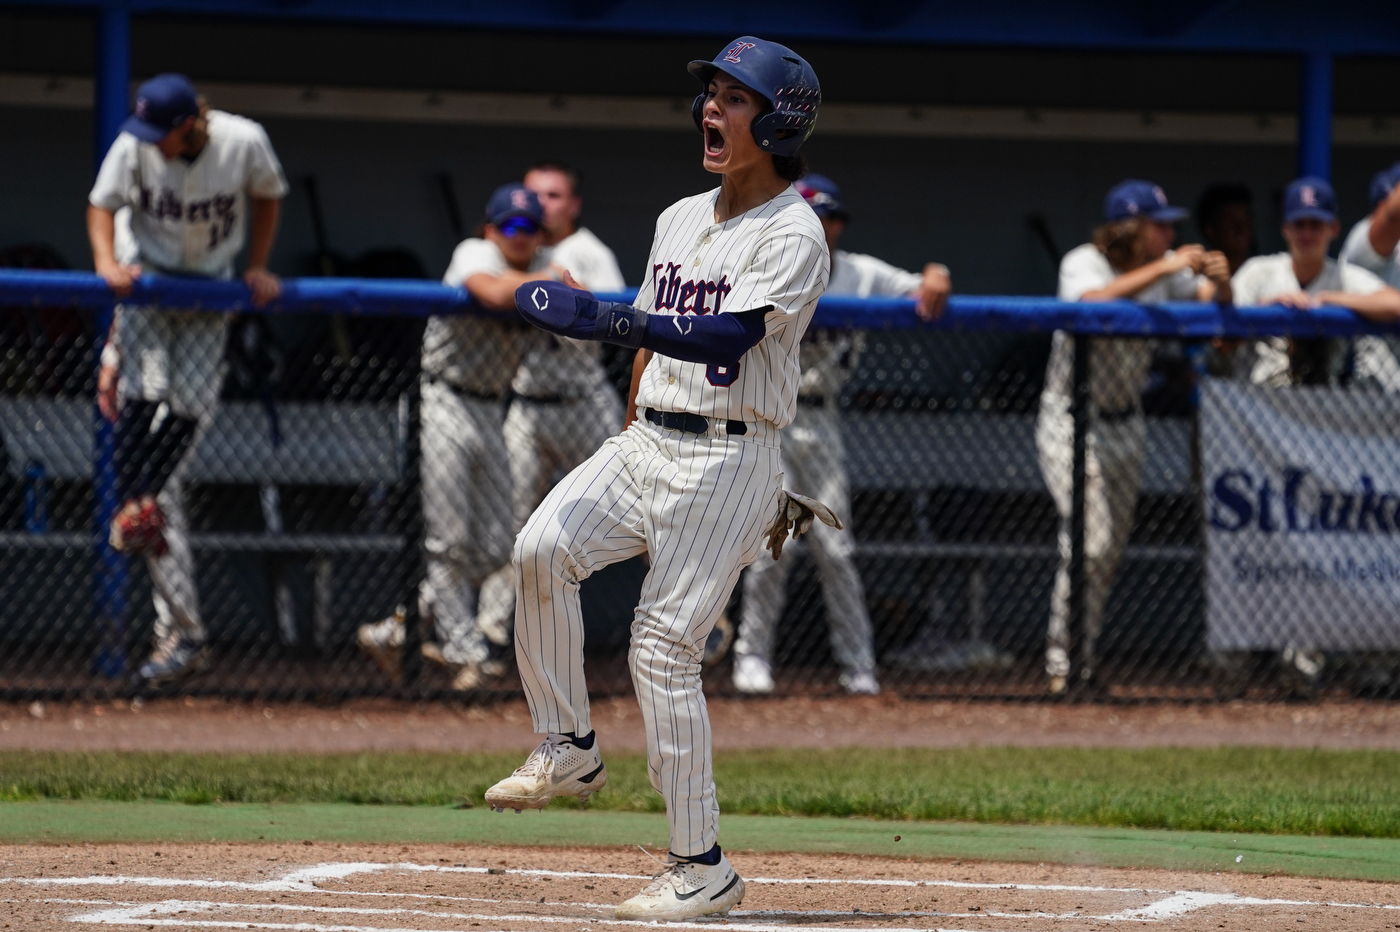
(691, 423)
(462, 390)
(1122, 414)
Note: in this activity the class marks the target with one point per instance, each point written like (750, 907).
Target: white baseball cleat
(686, 890)
(752, 674)
(860, 682)
(558, 767)
(383, 642)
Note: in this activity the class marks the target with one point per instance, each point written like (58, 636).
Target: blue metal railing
(377, 297)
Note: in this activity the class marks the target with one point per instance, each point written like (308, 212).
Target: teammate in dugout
(814, 461)
(563, 407)
(1374, 245)
(468, 363)
(696, 482)
(1130, 257)
(179, 192)
(1306, 277)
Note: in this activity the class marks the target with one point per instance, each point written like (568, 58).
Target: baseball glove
(796, 513)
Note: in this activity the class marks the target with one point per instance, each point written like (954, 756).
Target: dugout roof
(1346, 27)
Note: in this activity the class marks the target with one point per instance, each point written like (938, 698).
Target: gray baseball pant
(544, 439)
(1113, 477)
(466, 512)
(176, 358)
(814, 464)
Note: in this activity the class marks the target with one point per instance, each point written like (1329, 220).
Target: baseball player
(1305, 277)
(1130, 257)
(564, 406)
(731, 284)
(814, 462)
(179, 192)
(1374, 245)
(468, 362)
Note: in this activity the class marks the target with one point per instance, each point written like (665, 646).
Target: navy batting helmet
(784, 79)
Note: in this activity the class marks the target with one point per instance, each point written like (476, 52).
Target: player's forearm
(262, 230)
(1219, 292)
(1381, 307)
(1129, 283)
(1385, 226)
(708, 339)
(497, 292)
(101, 228)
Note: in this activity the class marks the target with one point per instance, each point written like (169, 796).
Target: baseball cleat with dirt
(558, 767)
(686, 890)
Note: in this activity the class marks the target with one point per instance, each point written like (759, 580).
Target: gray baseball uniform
(183, 217)
(697, 500)
(468, 363)
(814, 464)
(1376, 363)
(563, 410)
(1261, 280)
(1116, 444)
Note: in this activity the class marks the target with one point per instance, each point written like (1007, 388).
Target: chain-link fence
(1129, 526)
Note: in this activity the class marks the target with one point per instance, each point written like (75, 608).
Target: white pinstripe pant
(698, 505)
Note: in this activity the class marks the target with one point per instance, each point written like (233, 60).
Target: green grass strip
(1256, 790)
(97, 822)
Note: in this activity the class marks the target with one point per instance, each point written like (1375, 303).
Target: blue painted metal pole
(110, 106)
(1315, 116)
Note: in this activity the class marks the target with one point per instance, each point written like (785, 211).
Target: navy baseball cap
(1383, 183)
(162, 104)
(1309, 198)
(1135, 198)
(513, 200)
(822, 194)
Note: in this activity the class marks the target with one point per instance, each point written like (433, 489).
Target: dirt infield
(220, 725)
(404, 889)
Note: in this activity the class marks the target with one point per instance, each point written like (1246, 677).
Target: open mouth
(714, 141)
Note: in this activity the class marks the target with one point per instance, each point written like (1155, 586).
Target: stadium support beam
(110, 93)
(1315, 116)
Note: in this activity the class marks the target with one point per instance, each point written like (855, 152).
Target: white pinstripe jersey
(189, 215)
(771, 256)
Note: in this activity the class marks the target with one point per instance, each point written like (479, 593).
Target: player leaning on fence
(179, 192)
(1374, 245)
(1130, 258)
(468, 363)
(1306, 277)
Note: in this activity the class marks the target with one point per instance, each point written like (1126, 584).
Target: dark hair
(790, 167)
(568, 171)
(1121, 243)
(1217, 197)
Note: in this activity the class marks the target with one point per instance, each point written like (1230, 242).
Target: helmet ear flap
(697, 111)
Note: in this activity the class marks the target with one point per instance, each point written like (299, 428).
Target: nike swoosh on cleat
(589, 778)
(727, 887)
(686, 896)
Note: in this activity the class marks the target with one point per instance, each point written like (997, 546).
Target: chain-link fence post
(411, 556)
(1081, 672)
(109, 567)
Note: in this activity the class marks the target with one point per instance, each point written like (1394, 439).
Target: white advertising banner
(1302, 500)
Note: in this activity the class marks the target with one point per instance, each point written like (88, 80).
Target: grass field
(1251, 790)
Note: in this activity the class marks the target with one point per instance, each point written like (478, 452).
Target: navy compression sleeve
(709, 339)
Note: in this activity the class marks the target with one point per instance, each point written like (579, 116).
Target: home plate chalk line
(1164, 905)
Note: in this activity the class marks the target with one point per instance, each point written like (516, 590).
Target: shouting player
(731, 284)
(468, 362)
(564, 406)
(814, 462)
(195, 183)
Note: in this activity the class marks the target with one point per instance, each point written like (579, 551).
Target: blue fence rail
(361, 297)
